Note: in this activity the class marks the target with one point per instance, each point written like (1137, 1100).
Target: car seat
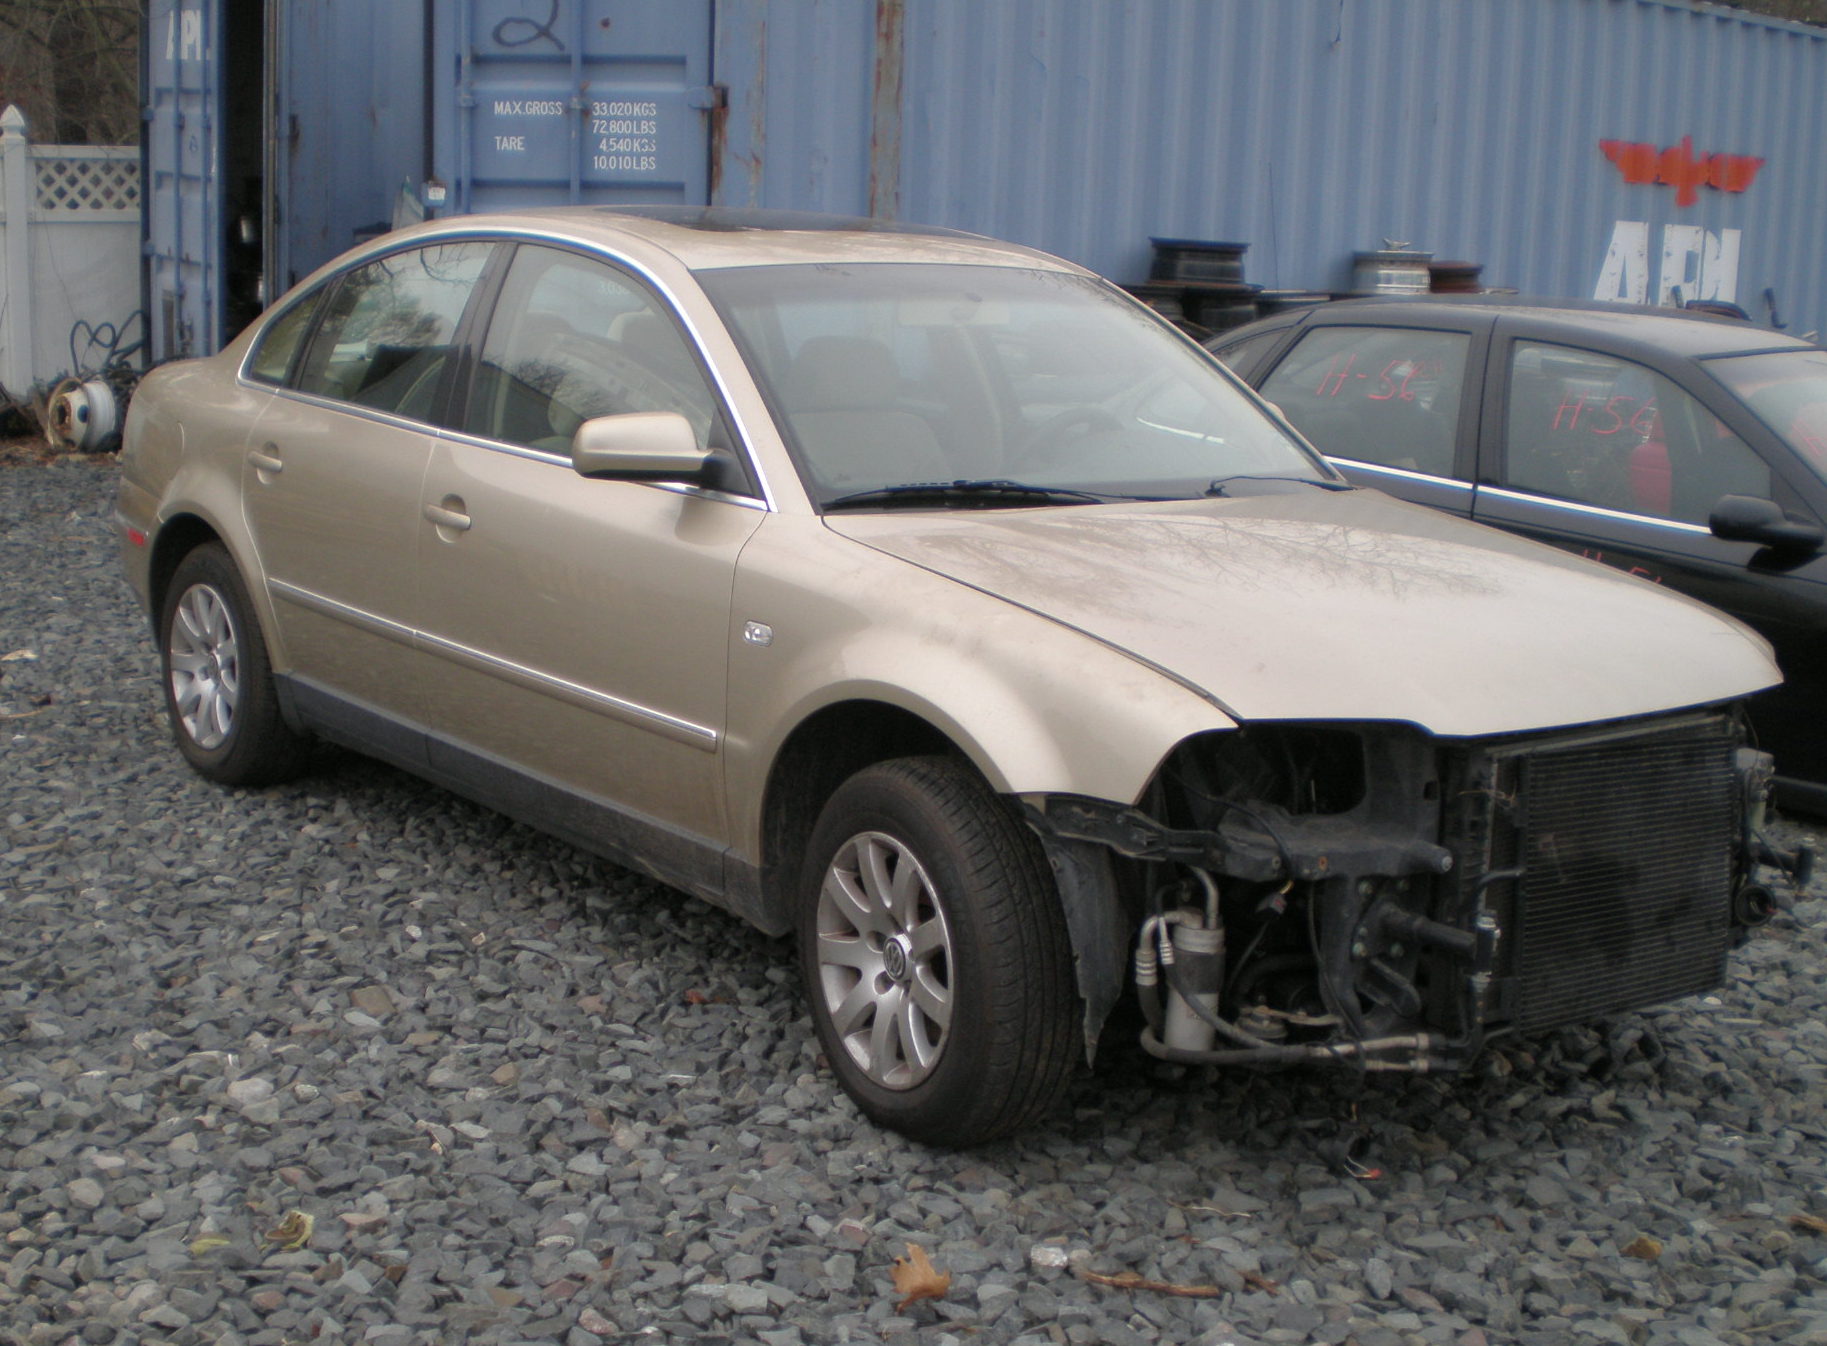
(840, 395)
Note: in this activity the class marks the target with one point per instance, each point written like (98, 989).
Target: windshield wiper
(1222, 486)
(994, 493)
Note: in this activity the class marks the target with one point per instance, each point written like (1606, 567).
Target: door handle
(446, 517)
(266, 458)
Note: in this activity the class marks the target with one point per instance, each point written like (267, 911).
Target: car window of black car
(271, 360)
(1385, 395)
(1613, 433)
(571, 339)
(388, 326)
(1241, 355)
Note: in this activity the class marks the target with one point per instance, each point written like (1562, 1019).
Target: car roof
(1673, 330)
(710, 238)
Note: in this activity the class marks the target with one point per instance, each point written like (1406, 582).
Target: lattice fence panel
(69, 185)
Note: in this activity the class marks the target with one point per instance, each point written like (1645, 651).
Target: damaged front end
(1374, 896)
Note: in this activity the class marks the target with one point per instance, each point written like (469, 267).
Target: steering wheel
(1075, 421)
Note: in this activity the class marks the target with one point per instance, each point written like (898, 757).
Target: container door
(543, 102)
(348, 141)
(183, 177)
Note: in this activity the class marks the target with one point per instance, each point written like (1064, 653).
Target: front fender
(1037, 707)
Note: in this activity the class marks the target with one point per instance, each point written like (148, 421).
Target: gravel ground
(353, 1061)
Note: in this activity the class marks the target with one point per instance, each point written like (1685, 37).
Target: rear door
(334, 466)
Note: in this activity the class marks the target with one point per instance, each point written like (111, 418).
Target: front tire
(935, 955)
(219, 692)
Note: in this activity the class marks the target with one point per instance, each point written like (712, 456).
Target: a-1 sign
(1696, 263)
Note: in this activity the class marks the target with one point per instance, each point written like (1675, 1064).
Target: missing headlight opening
(1371, 896)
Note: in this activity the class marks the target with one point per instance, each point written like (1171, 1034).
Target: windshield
(1788, 391)
(891, 375)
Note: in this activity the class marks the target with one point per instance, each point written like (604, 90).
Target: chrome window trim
(1597, 511)
(588, 698)
(560, 460)
(356, 409)
(1405, 474)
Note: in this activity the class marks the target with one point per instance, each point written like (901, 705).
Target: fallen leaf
(592, 1004)
(293, 1231)
(916, 1278)
(1643, 1248)
(18, 656)
(1813, 1223)
(1129, 1280)
(208, 1243)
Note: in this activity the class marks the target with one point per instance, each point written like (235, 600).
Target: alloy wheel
(885, 960)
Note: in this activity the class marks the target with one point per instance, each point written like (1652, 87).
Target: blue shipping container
(1659, 150)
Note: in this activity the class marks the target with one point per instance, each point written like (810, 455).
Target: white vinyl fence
(69, 257)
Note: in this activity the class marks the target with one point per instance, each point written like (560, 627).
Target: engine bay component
(1371, 896)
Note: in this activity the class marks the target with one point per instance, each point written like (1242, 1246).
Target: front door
(583, 626)
(1607, 457)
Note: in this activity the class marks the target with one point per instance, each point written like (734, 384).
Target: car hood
(1344, 606)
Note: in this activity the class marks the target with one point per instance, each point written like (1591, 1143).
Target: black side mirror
(1749, 518)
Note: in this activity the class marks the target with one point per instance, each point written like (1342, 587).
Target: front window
(891, 375)
(572, 339)
(1610, 432)
(1788, 391)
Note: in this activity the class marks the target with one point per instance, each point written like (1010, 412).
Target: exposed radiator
(1627, 841)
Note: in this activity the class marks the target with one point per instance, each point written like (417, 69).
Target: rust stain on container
(758, 127)
(885, 112)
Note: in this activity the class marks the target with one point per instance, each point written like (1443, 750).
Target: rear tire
(935, 955)
(219, 692)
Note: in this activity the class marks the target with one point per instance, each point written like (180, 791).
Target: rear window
(387, 328)
(1384, 395)
(272, 357)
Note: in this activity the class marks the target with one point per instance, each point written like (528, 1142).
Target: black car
(1689, 450)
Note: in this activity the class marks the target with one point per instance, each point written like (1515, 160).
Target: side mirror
(638, 446)
(1749, 518)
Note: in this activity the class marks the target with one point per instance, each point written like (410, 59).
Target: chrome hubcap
(884, 960)
(205, 661)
